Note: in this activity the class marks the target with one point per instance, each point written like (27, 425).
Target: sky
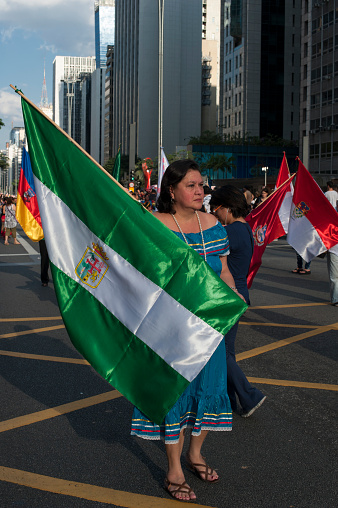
(32, 34)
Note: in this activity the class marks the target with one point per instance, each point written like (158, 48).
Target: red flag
(282, 221)
(313, 227)
(27, 209)
(262, 221)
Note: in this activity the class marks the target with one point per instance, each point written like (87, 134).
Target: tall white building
(68, 75)
(136, 70)
(211, 36)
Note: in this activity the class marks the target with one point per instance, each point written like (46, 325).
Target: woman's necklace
(201, 230)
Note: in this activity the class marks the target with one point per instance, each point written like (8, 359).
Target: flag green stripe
(131, 228)
(104, 341)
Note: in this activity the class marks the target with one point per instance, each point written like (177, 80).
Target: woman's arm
(227, 277)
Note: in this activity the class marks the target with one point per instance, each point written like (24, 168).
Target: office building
(69, 74)
(108, 116)
(260, 68)
(136, 71)
(104, 29)
(104, 37)
(211, 35)
(319, 89)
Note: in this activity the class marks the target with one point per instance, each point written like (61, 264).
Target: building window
(240, 98)
(305, 49)
(305, 93)
(235, 119)
(304, 114)
(305, 71)
(239, 118)
(236, 61)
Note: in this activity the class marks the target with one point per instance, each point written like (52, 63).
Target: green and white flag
(140, 305)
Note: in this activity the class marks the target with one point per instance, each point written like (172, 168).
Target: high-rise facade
(69, 73)
(260, 68)
(211, 36)
(319, 89)
(136, 71)
(104, 29)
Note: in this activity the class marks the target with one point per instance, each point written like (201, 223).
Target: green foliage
(217, 163)
(212, 138)
(3, 161)
(1, 123)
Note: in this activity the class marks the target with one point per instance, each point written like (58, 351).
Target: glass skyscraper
(104, 29)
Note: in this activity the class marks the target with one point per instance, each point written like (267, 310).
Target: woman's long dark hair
(229, 196)
(174, 173)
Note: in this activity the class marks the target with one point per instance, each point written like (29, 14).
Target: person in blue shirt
(229, 205)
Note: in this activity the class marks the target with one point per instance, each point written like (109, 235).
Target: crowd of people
(201, 217)
(8, 219)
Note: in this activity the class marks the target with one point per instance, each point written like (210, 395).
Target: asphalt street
(64, 431)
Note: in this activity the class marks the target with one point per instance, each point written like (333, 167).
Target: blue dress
(204, 405)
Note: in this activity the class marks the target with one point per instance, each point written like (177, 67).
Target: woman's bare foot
(16, 242)
(177, 487)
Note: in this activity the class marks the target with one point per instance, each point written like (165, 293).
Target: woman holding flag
(205, 404)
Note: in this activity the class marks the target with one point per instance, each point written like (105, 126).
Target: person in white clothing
(332, 255)
(332, 195)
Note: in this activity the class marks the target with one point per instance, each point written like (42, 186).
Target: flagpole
(288, 180)
(19, 92)
(160, 79)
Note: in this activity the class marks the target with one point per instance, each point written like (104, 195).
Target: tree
(1, 123)
(3, 161)
(219, 162)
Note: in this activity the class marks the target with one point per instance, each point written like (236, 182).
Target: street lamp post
(265, 169)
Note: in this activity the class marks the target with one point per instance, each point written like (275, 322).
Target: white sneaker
(249, 413)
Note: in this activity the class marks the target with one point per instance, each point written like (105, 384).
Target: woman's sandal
(304, 272)
(296, 270)
(181, 487)
(202, 475)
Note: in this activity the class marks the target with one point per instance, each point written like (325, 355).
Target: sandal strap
(208, 470)
(180, 486)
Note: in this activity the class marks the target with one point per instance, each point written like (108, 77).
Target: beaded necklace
(201, 230)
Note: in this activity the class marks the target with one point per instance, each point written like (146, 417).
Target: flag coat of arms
(27, 208)
(140, 305)
(262, 221)
(313, 226)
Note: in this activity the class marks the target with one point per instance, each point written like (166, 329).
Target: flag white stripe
(303, 237)
(284, 211)
(142, 306)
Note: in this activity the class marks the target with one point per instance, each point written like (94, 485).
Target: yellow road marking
(284, 342)
(289, 306)
(257, 323)
(14, 320)
(297, 384)
(29, 332)
(60, 359)
(86, 491)
(46, 414)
